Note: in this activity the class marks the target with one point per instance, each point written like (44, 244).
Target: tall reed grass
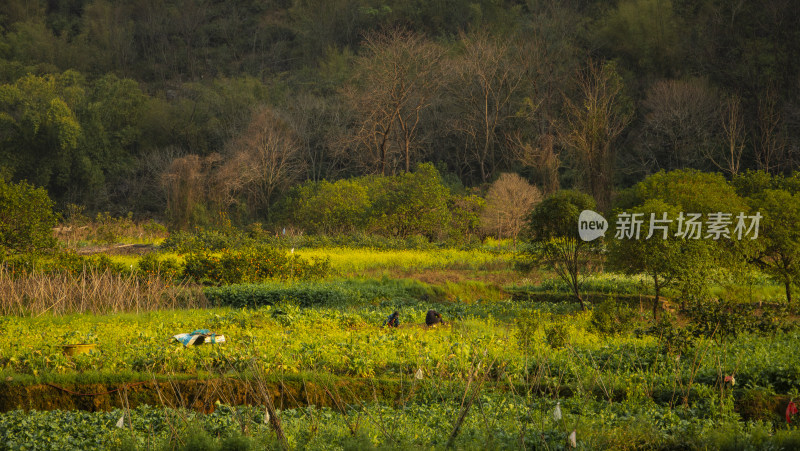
(92, 291)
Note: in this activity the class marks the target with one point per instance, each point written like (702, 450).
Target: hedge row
(556, 297)
(330, 294)
(251, 265)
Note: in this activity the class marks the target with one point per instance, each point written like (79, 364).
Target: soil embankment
(201, 395)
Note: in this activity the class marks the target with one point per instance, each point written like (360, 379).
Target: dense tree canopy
(101, 100)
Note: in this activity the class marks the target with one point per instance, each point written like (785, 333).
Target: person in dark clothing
(393, 320)
(433, 317)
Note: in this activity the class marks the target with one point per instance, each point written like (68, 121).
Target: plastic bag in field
(572, 440)
(557, 411)
(198, 337)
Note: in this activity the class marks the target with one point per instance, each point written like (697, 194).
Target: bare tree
(730, 158)
(186, 185)
(535, 146)
(485, 79)
(593, 124)
(541, 158)
(146, 186)
(182, 182)
(224, 184)
(681, 125)
(318, 124)
(771, 145)
(509, 200)
(393, 87)
(266, 158)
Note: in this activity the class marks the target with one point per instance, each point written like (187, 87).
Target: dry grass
(92, 292)
(105, 229)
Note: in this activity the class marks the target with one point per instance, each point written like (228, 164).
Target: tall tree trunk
(656, 300)
(408, 158)
(577, 294)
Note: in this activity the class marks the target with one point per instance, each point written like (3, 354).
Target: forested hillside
(182, 109)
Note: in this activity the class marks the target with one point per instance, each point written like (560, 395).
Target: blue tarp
(198, 337)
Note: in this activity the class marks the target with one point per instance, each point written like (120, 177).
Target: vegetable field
(492, 376)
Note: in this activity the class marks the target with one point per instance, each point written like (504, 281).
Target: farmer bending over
(433, 317)
(393, 320)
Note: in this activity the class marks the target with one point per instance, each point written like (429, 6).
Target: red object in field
(791, 409)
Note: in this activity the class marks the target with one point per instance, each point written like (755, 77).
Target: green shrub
(774, 319)
(726, 319)
(527, 327)
(759, 404)
(26, 218)
(67, 261)
(415, 204)
(76, 264)
(213, 240)
(331, 208)
(607, 283)
(19, 264)
(306, 294)
(557, 335)
(757, 436)
(248, 295)
(360, 240)
(197, 439)
(612, 317)
(673, 339)
(208, 240)
(720, 319)
(168, 268)
(465, 220)
(251, 265)
(411, 204)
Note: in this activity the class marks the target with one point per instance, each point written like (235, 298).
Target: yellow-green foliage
(125, 260)
(355, 260)
(618, 391)
(348, 260)
(473, 290)
(285, 339)
(281, 338)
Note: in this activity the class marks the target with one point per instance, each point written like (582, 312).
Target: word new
(591, 225)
